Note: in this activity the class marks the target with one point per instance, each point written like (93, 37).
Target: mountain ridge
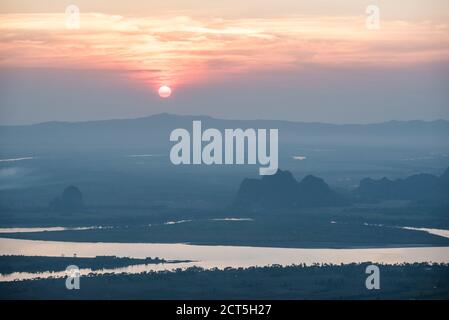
(151, 134)
(167, 115)
(422, 187)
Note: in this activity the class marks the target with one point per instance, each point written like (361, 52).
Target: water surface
(212, 256)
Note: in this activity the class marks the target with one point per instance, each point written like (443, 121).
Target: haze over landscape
(91, 91)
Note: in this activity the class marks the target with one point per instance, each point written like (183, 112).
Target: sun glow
(164, 92)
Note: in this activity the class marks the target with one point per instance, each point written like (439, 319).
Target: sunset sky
(284, 59)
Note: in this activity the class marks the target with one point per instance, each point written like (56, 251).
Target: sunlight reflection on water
(210, 256)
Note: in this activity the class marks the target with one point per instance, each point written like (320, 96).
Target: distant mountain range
(282, 191)
(152, 133)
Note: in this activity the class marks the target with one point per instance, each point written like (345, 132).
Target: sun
(164, 92)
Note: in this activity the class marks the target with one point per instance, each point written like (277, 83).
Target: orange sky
(284, 59)
(176, 48)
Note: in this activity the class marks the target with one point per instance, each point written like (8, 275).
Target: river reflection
(211, 256)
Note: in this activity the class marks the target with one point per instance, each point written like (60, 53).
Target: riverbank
(410, 281)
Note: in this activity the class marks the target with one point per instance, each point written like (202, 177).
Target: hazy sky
(284, 59)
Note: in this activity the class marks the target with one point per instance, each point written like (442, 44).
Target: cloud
(181, 49)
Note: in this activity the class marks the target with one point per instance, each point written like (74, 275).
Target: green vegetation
(410, 281)
(10, 264)
(298, 228)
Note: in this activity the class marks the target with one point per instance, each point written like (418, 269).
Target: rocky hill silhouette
(71, 200)
(282, 190)
(419, 188)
